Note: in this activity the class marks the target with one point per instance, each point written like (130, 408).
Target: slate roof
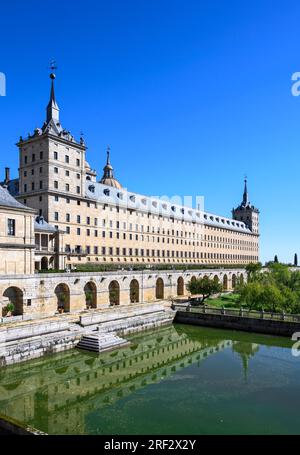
(40, 224)
(7, 200)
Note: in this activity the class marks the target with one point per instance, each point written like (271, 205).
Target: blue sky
(190, 95)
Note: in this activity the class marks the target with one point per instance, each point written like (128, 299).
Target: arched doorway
(44, 263)
(193, 278)
(225, 283)
(216, 279)
(62, 293)
(233, 281)
(159, 289)
(134, 291)
(241, 278)
(114, 293)
(15, 298)
(90, 291)
(180, 286)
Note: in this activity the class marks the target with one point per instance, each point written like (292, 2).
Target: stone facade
(16, 236)
(102, 222)
(43, 295)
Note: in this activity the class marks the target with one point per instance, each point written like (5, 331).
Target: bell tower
(246, 212)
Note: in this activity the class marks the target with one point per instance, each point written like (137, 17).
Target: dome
(108, 175)
(111, 181)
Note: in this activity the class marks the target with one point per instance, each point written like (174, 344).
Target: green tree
(253, 269)
(205, 287)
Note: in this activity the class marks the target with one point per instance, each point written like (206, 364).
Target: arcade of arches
(77, 294)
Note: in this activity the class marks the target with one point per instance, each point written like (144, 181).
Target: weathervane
(53, 65)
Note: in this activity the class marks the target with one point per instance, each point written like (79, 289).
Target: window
(78, 162)
(56, 170)
(32, 186)
(33, 157)
(55, 155)
(68, 217)
(56, 184)
(78, 189)
(56, 216)
(32, 171)
(41, 184)
(68, 230)
(41, 170)
(78, 176)
(78, 231)
(41, 155)
(56, 198)
(67, 187)
(25, 188)
(78, 218)
(11, 226)
(25, 173)
(67, 173)
(67, 159)
(25, 159)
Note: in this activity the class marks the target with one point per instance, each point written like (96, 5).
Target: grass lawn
(226, 300)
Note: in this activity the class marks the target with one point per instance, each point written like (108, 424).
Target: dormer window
(106, 192)
(132, 198)
(92, 188)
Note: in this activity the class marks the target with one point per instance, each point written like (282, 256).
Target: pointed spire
(108, 156)
(108, 169)
(52, 108)
(108, 175)
(245, 195)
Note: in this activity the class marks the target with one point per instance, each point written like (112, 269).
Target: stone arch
(216, 279)
(225, 282)
(159, 289)
(15, 297)
(193, 278)
(114, 293)
(44, 263)
(180, 286)
(134, 291)
(233, 281)
(90, 291)
(62, 293)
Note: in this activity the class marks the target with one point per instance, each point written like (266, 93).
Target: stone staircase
(100, 342)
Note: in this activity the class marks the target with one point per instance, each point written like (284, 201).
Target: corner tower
(52, 165)
(246, 212)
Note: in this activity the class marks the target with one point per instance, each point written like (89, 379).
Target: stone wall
(39, 292)
(278, 328)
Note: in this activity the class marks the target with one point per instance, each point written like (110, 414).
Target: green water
(176, 380)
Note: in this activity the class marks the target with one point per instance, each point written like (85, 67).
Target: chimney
(7, 175)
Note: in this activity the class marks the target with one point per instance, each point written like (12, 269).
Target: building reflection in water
(55, 394)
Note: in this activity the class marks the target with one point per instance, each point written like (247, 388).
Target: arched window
(159, 289)
(62, 293)
(15, 298)
(134, 291)
(90, 291)
(180, 286)
(225, 282)
(114, 293)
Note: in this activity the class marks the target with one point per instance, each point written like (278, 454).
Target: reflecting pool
(175, 380)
